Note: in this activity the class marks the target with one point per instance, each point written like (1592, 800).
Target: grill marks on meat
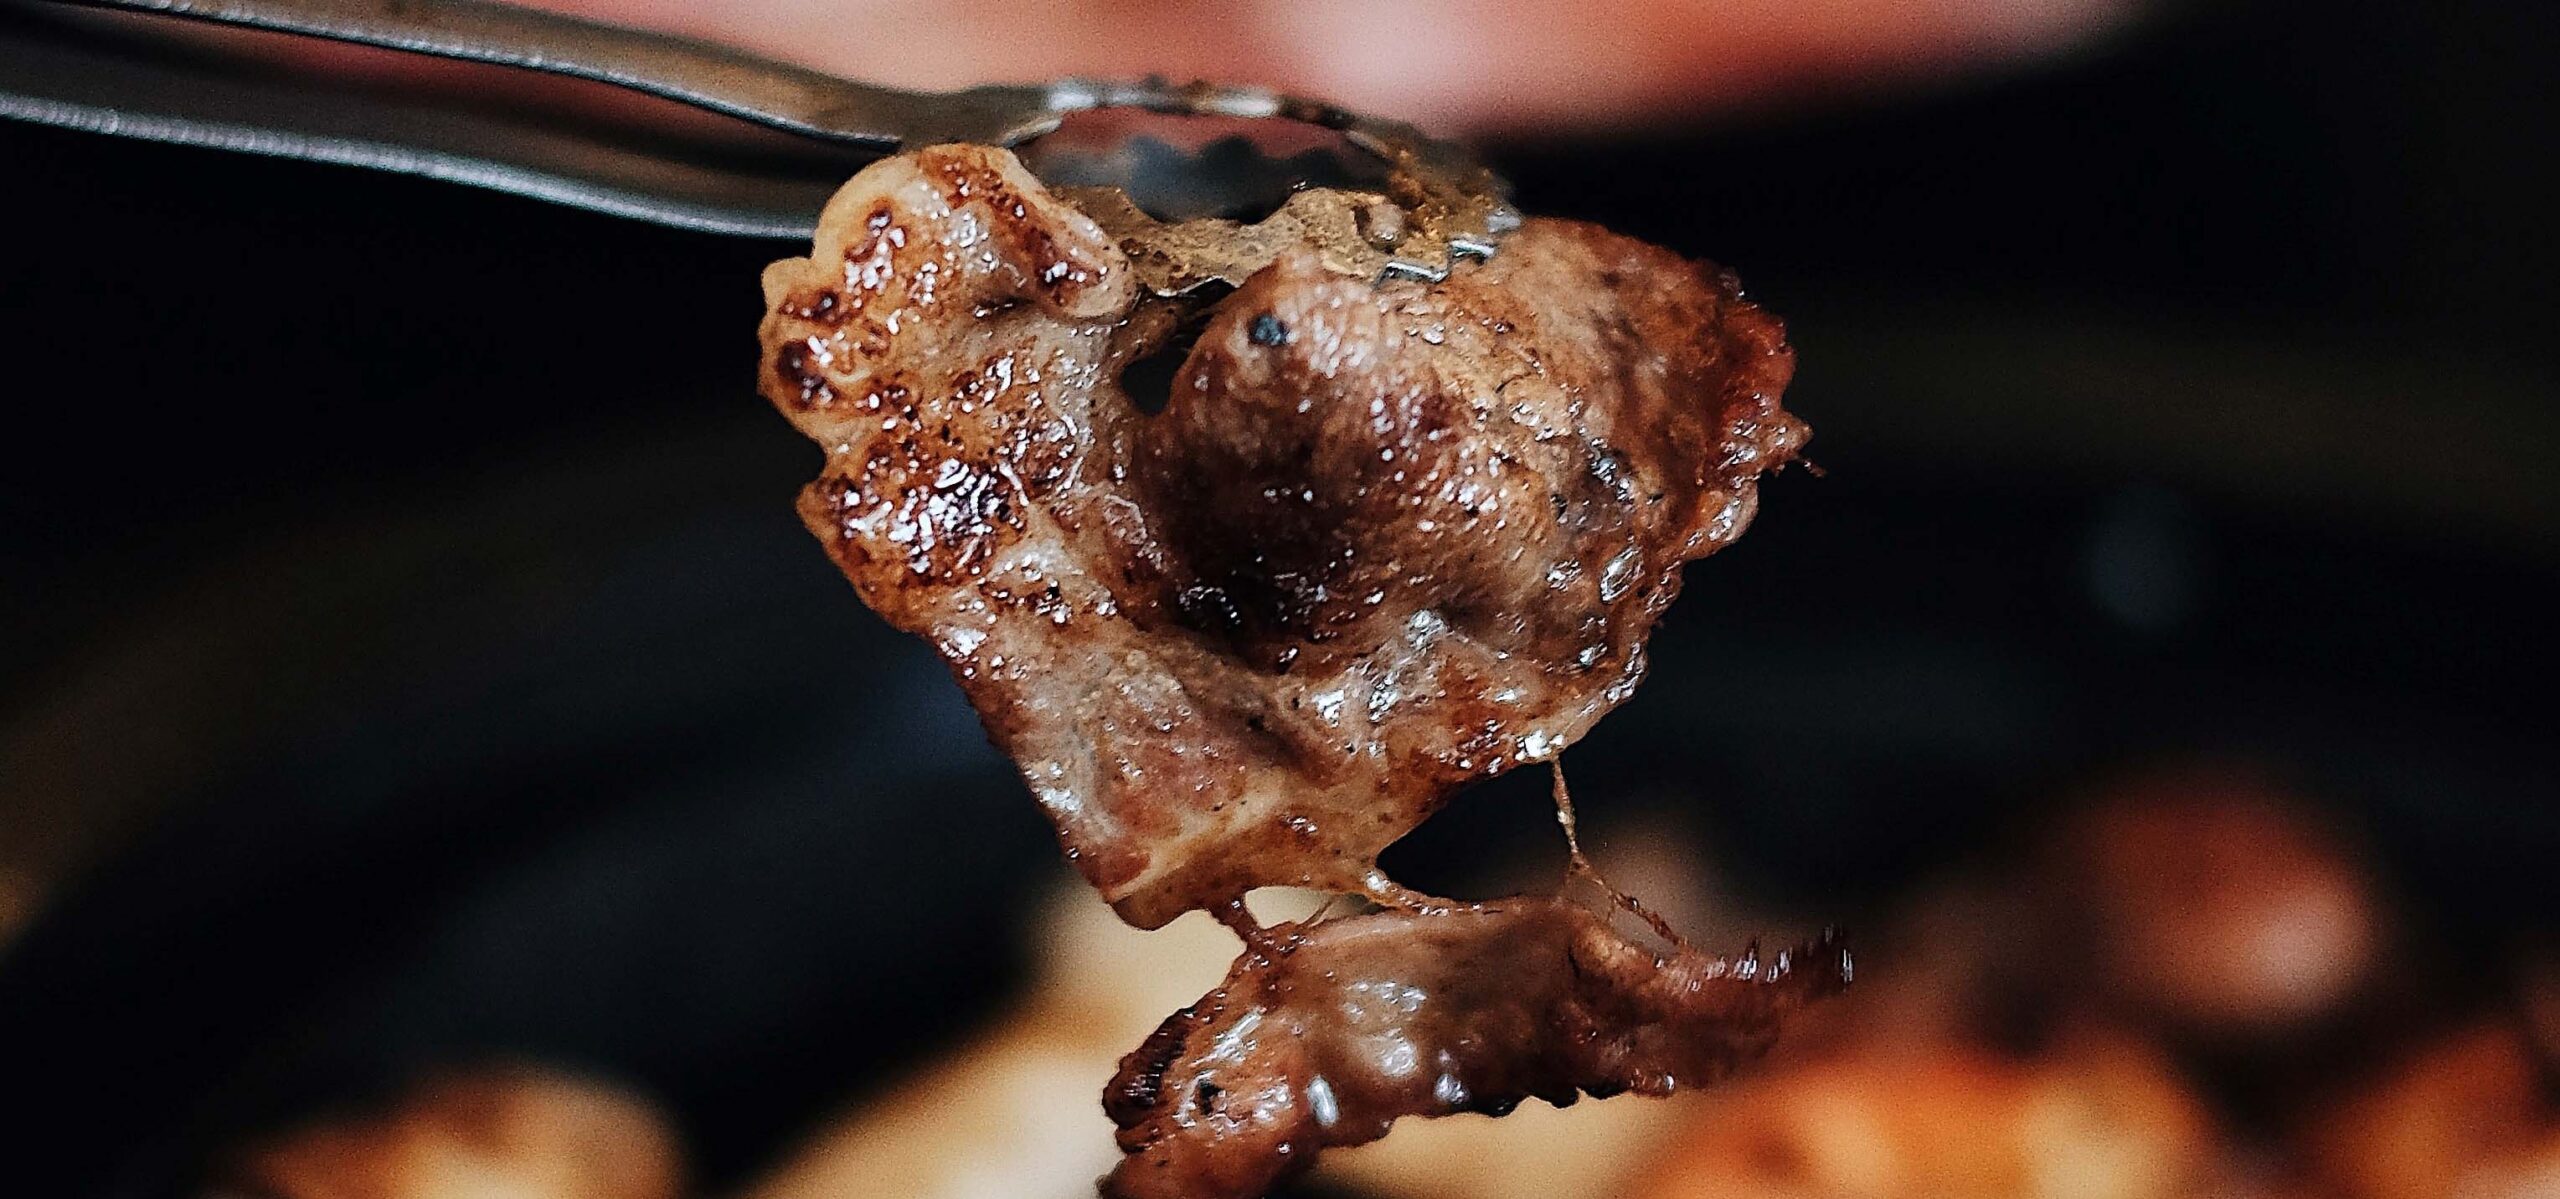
(1382, 541)
(1326, 1033)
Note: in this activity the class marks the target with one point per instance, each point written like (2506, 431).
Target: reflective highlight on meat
(1325, 1034)
(1383, 539)
(1377, 541)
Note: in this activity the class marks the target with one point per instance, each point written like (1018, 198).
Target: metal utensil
(106, 66)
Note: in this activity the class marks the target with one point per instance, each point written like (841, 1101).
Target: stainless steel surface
(107, 72)
(77, 75)
(703, 74)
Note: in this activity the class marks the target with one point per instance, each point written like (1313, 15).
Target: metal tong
(117, 66)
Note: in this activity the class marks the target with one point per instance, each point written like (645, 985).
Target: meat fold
(1324, 1034)
(1383, 539)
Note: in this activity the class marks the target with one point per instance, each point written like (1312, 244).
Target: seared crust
(1382, 541)
(1327, 1035)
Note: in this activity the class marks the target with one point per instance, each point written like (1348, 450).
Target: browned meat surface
(1383, 540)
(1327, 1033)
(1380, 540)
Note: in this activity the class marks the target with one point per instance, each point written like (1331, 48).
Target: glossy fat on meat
(1328, 1033)
(1383, 540)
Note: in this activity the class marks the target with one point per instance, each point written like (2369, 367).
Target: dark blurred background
(402, 588)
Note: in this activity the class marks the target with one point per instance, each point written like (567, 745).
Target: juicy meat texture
(1383, 539)
(1326, 1034)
